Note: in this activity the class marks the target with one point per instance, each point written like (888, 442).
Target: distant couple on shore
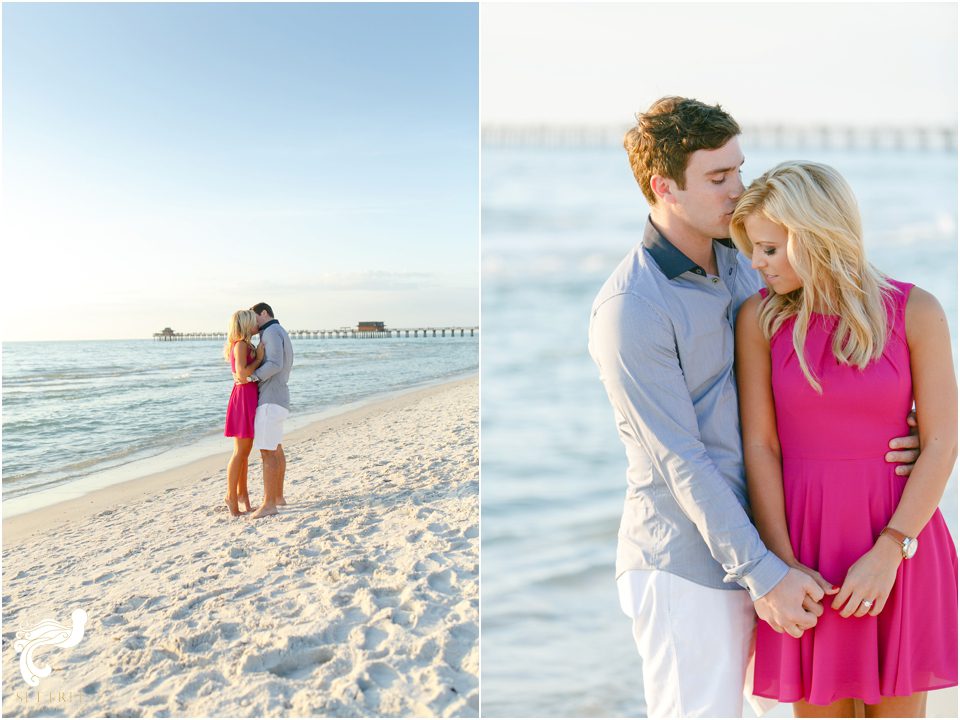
(757, 393)
(258, 406)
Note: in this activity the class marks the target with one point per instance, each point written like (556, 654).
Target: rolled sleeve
(763, 576)
(634, 346)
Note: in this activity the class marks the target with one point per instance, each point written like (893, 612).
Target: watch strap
(898, 537)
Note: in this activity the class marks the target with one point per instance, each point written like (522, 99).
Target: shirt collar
(267, 324)
(669, 259)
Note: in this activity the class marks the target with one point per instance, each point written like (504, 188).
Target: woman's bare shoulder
(923, 314)
(748, 317)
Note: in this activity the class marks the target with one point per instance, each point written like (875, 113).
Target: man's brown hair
(668, 133)
(260, 307)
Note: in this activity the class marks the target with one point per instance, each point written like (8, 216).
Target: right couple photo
(753, 276)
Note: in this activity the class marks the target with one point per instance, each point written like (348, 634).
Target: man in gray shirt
(661, 334)
(273, 406)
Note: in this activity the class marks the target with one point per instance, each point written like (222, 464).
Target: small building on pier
(370, 326)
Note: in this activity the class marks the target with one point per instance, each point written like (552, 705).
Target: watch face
(909, 547)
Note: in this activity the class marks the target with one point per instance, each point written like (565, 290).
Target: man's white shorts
(696, 644)
(268, 426)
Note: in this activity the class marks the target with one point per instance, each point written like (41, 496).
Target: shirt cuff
(764, 576)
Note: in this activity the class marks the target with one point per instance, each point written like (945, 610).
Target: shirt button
(716, 280)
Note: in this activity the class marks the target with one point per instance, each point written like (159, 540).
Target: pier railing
(341, 334)
(846, 137)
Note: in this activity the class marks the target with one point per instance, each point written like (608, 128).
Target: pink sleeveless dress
(839, 494)
(242, 406)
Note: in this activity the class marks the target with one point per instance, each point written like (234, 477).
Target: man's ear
(663, 188)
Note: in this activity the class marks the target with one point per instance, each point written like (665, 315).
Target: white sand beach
(359, 599)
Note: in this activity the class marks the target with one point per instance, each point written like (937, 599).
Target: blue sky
(167, 164)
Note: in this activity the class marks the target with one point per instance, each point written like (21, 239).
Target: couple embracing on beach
(258, 405)
(757, 385)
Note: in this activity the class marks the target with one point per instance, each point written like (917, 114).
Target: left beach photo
(240, 360)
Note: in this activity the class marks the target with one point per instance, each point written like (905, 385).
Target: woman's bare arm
(242, 370)
(935, 394)
(758, 423)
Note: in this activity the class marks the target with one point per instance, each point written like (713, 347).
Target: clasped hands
(795, 604)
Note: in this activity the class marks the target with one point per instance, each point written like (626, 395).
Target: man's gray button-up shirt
(661, 333)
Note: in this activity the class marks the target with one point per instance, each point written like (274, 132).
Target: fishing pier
(802, 137)
(344, 333)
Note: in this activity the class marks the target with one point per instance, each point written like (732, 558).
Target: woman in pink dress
(242, 406)
(830, 359)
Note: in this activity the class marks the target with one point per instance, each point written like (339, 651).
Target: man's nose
(737, 190)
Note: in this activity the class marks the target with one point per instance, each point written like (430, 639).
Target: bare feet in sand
(245, 500)
(232, 505)
(281, 501)
(265, 510)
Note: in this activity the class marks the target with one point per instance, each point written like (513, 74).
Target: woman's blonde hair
(243, 326)
(825, 248)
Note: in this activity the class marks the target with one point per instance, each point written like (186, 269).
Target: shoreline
(54, 514)
(52, 479)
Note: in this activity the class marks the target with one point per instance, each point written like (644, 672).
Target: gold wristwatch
(908, 545)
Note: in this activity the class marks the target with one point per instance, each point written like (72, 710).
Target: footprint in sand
(339, 523)
(342, 599)
(440, 581)
(385, 597)
(132, 603)
(199, 643)
(438, 528)
(458, 643)
(136, 642)
(427, 565)
(313, 533)
(428, 651)
(361, 566)
(229, 630)
(382, 674)
(297, 664)
(373, 637)
(403, 618)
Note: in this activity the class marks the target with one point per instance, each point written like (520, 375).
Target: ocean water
(555, 224)
(83, 414)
